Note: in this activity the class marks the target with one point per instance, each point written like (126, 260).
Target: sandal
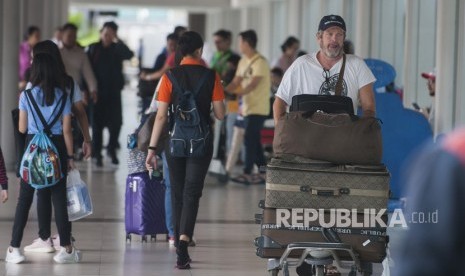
(242, 179)
(257, 179)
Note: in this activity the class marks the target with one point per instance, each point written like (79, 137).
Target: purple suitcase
(145, 206)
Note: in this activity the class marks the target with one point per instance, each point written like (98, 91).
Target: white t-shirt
(306, 76)
(77, 91)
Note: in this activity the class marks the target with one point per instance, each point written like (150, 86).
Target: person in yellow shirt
(252, 83)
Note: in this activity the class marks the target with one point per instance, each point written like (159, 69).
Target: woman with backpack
(45, 243)
(190, 89)
(45, 109)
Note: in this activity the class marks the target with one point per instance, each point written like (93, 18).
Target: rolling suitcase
(144, 207)
(368, 242)
(296, 182)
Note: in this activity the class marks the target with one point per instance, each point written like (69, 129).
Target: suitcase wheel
(128, 237)
(153, 238)
(144, 238)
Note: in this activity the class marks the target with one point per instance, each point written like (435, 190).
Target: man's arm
(249, 88)
(279, 109)
(124, 50)
(89, 77)
(367, 100)
(234, 84)
(81, 116)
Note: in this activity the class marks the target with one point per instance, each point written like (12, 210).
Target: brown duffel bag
(337, 138)
(369, 243)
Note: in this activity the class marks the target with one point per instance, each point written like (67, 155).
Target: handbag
(144, 133)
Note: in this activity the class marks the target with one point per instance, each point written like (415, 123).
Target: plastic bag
(40, 165)
(79, 200)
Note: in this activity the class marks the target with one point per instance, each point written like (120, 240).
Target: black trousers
(187, 177)
(107, 112)
(44, 213)
(252, 140)
(57, 195)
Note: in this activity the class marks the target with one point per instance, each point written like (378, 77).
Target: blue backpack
(40, 165)
(189, 132)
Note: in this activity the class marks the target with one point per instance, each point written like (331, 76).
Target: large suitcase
(296, 182)
(369, 243)
(144, 207)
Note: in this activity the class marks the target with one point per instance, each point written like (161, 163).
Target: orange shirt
(165, 90)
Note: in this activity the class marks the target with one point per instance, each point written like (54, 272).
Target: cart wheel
(319, 270)
(285, 269)
(144, 238)
(274, 272)
(128, 237)
(153, 238)
(353, 271)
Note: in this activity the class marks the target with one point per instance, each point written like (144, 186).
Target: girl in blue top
(47, 91)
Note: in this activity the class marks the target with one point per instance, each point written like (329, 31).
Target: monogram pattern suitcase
(368, 242)
(296, 182)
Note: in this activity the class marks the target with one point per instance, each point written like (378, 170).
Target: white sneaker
(40, 246)
(64, 257)
(13, 255)
(56, 241)
(171, 241)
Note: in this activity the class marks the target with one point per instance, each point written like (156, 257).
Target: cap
(331, 20)
(431, 75)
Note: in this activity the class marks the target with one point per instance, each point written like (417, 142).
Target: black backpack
(190, 131)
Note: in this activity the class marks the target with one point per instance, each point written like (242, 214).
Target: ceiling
(194, 5)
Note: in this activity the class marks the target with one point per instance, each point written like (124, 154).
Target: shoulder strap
(47, 127)
(251, 63)
(340, 78)
(62, 107)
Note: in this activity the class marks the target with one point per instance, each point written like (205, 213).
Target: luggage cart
(318, 255)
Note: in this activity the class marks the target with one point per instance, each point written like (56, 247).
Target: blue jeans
(230, 120)
(168, 206)
(252, 140)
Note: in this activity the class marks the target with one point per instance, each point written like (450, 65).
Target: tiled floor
(224, 233)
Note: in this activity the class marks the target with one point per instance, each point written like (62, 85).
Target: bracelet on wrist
(70, 157)
(152, 148)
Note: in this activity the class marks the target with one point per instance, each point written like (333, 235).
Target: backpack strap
(338, 89)
(47, 127)
(199, 85)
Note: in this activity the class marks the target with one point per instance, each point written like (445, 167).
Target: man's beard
(332, 52)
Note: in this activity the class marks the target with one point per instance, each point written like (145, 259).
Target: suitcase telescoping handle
(325, 191)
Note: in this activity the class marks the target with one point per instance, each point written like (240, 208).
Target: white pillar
(293, 17)
(446, 66)
(264, 33)
(9, 75)
(410, 48)
(363, 28)
(460, 100)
